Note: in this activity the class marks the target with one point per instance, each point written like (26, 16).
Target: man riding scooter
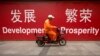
(52, 34)
(49, 28)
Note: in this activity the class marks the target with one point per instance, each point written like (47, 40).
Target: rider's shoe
(55, 42)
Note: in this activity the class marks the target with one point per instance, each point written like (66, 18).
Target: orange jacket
(48, 26)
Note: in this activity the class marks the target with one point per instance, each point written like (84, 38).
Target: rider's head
(50, 17)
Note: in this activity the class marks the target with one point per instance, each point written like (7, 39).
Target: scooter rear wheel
(40, 43)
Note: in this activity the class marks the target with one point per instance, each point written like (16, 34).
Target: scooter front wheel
(62, 42)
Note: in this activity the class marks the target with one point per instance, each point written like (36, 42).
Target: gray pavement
(30, 48)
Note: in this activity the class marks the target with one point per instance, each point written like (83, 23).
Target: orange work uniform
(49, 29)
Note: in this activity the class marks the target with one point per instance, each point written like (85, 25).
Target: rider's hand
(55, 27)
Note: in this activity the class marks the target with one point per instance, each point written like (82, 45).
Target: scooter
(42, 40)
